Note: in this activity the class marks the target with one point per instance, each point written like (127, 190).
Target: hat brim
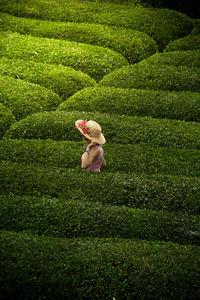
(99, 140)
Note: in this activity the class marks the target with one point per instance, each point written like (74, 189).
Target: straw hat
(91, 130)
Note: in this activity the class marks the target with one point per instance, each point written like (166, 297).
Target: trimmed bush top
(65, 268)
(133, 45)
(155, 77)
(155, 192)
(76, 218)
(64, 81)
(25, 98)
(189, 58)
(117, 129)
(93, 60)
(158, 104)
(130, 158)
(189, 42)
(163, 25)
(6, 119)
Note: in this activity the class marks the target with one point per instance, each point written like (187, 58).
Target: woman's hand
(90, 145)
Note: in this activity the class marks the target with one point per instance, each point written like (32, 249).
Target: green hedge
(156, 77)
(126, 158)
(35, 267)
(189, 58)
(6, 119)
(158, 104)
(196, 29)
(163, 25)
(189, 42)
(93, 60)
(64, 81)
(73, 218)
(25, 98)
(155, 192)
(134, 45)
(117, 129)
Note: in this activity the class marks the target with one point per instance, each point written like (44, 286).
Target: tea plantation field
(133, 230)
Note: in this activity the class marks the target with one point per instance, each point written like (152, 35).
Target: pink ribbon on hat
(84, 128)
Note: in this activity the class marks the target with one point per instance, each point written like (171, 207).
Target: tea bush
(158, 104)
(189, 58)
(64, 81)
(163, 25)
(74, 218)
(189, 42)
(132, 44)
(156, 77)
(131, 130)
(95, 268)
(196, 29)
(25, 98)
(128, 189)
(126, 158)
(6, 119)
(95, 61)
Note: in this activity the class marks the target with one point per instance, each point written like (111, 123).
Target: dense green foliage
(130, 158)
(131, 231)
(158, 104)
(163, 25)
(74, 218)
(6, 119)
(25, 98)
(64, 81)
(93, 60)
(189, 42)
(153, 191)
(134, 45)
(196, 29)
(91, 268)
(189, 58)
(130, 130)
(157, 77)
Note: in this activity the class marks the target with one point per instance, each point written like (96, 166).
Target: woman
(92, 158)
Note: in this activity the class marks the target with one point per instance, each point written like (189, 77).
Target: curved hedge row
(133, 45)
(158, 104)
(189, 42)
(99, 266)
(196, 29)
(6, 119)
(189, 58)
(155, 192)
(117, 129)
(74, 218)
(138, 159)
(64, 81)
(95, 61)
(157, 23)
(163, 77)
(25, 98)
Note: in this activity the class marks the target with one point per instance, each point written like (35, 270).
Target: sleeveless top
(96, 164)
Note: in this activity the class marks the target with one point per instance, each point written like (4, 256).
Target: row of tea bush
(181, 105)
(59, 125)
(24, 98)
(95, 61)
(157, 23)
(133, 45)
(92, 268)
(64, 81)
(126, 158)
(69, 218)
(143, 191)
